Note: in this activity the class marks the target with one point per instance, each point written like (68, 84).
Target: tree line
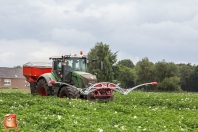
(170, 76)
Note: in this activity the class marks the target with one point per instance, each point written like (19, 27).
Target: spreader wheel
(69, 92)
(32, 90)
(43, 89)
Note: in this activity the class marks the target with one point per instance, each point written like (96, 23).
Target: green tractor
(66, 77)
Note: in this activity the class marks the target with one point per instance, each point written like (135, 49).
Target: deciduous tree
(126, 76)
(144, 71)
(165, 69)
(126, 62)
(194, 80)
(102, 52)
(185, 70)
(169, 84)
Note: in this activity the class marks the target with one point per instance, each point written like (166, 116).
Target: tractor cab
(75, 64)
(63, 66)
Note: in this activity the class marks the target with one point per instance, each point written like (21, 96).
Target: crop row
(138, 111)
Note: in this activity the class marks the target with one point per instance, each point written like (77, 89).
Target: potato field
(136, 112)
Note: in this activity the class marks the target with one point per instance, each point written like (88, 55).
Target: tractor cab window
(59, 65)
(81, 65)
(69, 65)
(76, 64)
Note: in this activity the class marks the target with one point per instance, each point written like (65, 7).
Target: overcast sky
(34, 30)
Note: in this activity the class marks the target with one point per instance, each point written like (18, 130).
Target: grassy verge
(14, 90)
(137, 111)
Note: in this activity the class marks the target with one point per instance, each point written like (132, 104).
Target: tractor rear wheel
(69, 92)
(43, 89)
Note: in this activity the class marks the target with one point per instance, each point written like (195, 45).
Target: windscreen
(76, 64)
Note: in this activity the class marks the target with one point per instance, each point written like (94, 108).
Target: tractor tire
(43, 89)
(69, 92)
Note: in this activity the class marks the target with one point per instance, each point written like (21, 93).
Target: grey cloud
(156, 29)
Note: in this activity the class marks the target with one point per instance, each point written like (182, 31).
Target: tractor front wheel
(43, 89)
(69, 92)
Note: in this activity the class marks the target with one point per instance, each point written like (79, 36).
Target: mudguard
(48, 77)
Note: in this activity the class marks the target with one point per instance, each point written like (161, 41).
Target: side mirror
(101, 65)
(55, 65)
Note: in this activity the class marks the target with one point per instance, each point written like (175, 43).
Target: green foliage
(10, 90)
(126, 62)
(169, 84)
(194, 79)
(5, 87)
(17, 66)
(185, 70)
(144, 71)
(15, 88)
(184, 73)
(116, 70)
(165, 69)
(124, 73)
(126, 77)
(137, 111)
(102, 52)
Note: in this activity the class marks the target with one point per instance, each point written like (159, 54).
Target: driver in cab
(68, 67)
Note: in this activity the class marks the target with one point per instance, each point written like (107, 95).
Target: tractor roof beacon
(66, 76)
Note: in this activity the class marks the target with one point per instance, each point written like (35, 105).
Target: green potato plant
(136, 112)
